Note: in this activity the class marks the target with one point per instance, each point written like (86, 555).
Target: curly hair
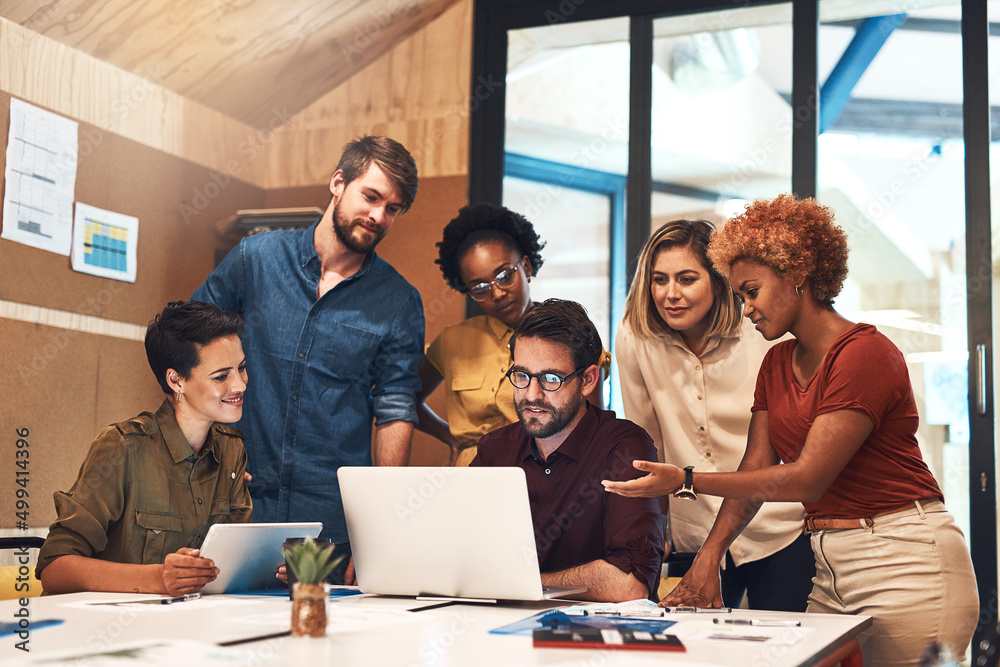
(795, 238)
(483, 223)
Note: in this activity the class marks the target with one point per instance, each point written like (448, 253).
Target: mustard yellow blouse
(473, 358)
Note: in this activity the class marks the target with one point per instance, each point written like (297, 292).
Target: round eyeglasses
(547, 381)
(504, 280)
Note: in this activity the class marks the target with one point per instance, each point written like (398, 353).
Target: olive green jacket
(142, 494)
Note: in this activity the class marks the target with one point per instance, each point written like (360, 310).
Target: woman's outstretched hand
(662, 479)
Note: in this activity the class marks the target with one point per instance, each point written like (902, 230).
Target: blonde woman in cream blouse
(688, 364)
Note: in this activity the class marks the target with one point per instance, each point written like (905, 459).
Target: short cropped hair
(390, 156)
(640, 309)
(484, 223)
(565, 323)
(175, 334)
(795, 238)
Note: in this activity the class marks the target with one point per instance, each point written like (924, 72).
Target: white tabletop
(368, 630)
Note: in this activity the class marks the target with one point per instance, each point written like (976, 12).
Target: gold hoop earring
(798, 292)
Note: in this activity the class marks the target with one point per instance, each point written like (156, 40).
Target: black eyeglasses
(504, 280)
(547, 381)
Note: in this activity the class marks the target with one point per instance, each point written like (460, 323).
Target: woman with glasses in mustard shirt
(489, 253)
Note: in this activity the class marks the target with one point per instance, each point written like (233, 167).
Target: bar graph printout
(40, 178)
(104, 243)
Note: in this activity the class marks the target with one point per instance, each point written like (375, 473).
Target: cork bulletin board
(71, 353)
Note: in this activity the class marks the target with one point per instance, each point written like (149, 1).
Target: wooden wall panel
(410, 248)
(418, 94)
(238, 57)
(54, 76)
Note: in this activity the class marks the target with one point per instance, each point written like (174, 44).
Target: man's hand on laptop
(184, 572)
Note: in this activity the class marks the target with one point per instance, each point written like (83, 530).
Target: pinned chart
(104, 243)
(40, 178)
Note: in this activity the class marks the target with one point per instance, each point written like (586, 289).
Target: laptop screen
(448, 532)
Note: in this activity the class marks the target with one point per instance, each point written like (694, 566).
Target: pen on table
(758, 622)
(627, 614)
(258, 638)
(182, 598)
(699, 610)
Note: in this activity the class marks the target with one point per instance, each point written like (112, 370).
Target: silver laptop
(461, 533)
(248, 554)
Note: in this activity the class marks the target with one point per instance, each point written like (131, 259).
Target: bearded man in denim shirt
(333, 335)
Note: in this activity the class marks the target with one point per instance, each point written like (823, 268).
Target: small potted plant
(311, 564)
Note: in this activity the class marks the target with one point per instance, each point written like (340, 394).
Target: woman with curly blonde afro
(796, 238)
(834, 407)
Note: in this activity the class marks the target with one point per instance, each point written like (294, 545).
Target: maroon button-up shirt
(576, 521)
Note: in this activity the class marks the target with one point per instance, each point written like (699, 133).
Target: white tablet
(248, 554)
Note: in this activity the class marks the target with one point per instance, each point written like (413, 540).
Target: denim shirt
(319, 369)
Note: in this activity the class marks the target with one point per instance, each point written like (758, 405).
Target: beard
(547, 425)
(364, 242)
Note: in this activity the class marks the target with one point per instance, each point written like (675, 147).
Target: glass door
(721, 121)
(566, 155)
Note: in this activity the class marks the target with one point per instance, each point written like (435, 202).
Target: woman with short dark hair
(151, 486)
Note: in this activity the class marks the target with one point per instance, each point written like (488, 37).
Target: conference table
(84, 628)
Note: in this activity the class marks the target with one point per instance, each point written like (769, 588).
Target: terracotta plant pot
(309, 609)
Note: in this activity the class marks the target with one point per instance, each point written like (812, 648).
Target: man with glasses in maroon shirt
(566, 446)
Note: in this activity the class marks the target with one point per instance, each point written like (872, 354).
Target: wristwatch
(686, 492)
